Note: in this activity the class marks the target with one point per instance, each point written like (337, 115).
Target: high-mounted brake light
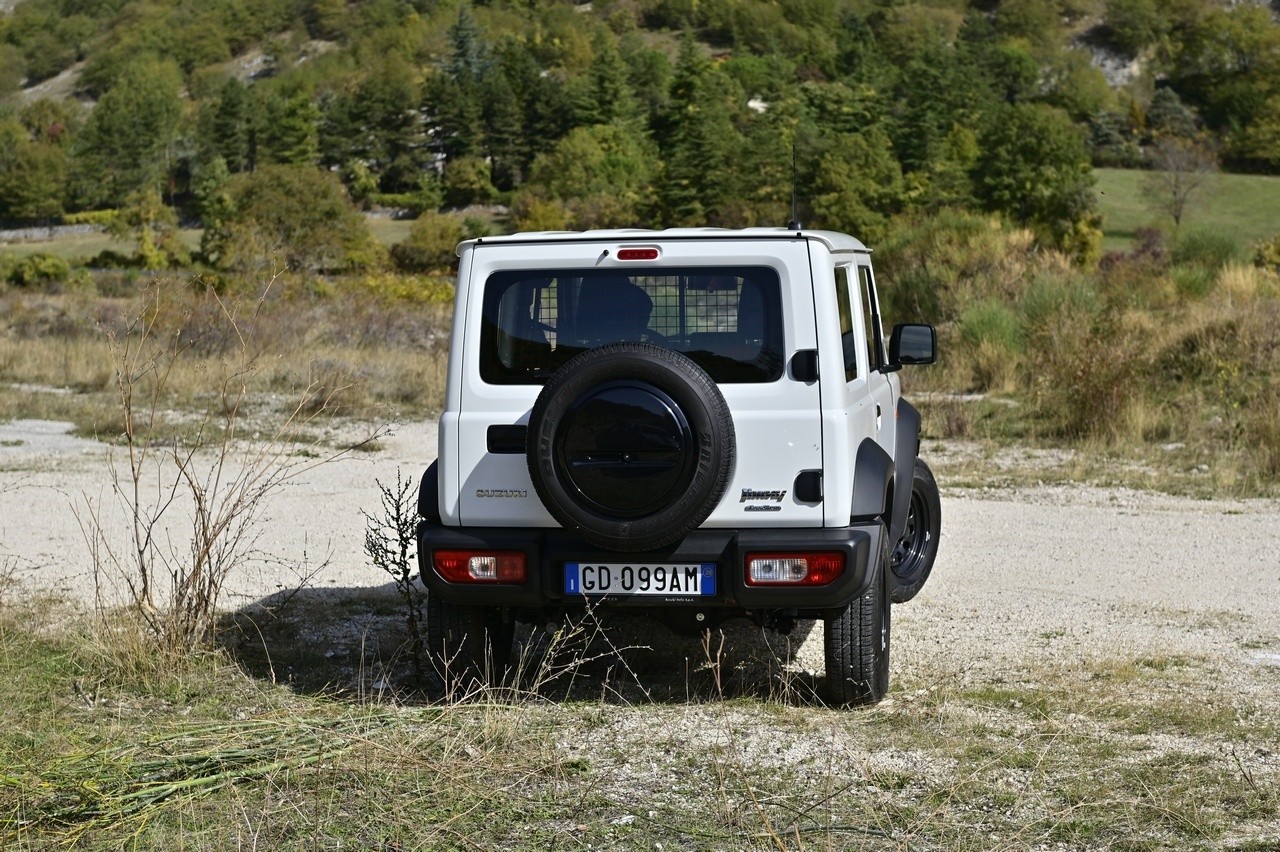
(648, 253)
(480, 566)
(793, 569)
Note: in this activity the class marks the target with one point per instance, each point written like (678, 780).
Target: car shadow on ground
(355, 644)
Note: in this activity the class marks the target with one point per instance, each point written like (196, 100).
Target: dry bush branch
(192, 504)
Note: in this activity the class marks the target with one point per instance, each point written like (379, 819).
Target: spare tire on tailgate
(631, 446)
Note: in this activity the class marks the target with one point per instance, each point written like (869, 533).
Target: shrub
(390, 287)
(1209, 249)
(431, 244)
(292, 217)
(1194, 282)
(92, 217)
(1266, 254)
(1085, 359)
(991, 336)
(937, 266)
(39, 270)
(531, 213)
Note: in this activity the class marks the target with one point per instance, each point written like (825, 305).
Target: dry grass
(353, 354)
(103, 749)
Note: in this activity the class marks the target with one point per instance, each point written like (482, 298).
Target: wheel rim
(914, 544)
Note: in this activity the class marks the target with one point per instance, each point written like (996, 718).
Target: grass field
(105, 746)
(1246, 207)
(81, 247)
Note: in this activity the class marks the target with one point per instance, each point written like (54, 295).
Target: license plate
(617, 578)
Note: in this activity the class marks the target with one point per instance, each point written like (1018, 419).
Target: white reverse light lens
(776, 570)
(483, 567)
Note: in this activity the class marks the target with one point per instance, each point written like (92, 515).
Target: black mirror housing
(913, 343)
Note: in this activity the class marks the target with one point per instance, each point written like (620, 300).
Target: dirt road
(1025, 579)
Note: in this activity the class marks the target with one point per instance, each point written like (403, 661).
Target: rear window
(727, 319)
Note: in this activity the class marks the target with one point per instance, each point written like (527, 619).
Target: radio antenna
(794, 224)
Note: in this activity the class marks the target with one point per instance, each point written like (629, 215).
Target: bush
(991, 335)
(1141, 277)
(1209, 249)
(431, 244)
(935, 267)
(1084, 362)
(104, 218)
(39, 270)
(1193, 282)
(1266, 254)
(291, 217)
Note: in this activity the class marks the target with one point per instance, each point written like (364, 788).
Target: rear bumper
(547, 550)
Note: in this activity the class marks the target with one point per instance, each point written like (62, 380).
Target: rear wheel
(914, 553)
(469, 646)
(856, 642)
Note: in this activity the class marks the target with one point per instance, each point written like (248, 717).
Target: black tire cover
(631, 446)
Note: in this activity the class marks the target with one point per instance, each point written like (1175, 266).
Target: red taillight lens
(480, 566)
(638, 254)
(794, 569)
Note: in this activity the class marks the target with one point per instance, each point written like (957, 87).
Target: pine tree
(290, 135)
(699, 141)
(127, 143)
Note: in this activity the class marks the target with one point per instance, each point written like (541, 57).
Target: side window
(848, 343)
(876, 355)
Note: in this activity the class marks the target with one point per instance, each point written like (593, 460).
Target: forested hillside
(961, 140)
(652, 112)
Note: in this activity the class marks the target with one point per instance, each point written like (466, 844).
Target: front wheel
(913, 555)
(469, 646)
(856, 644)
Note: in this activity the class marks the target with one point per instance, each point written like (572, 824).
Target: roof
(833, 240)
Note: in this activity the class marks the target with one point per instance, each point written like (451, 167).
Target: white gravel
(1025, 578)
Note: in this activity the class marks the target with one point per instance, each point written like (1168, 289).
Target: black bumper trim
(546, 551)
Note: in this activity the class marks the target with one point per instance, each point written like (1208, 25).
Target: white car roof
(833, 240)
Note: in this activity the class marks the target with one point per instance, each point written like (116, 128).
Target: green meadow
(1244, 207)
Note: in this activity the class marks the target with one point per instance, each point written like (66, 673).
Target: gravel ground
(1025, 579)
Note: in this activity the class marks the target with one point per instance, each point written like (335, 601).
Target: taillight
(794, 569)
(480, 566)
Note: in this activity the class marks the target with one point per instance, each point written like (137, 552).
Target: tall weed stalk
(191, 501)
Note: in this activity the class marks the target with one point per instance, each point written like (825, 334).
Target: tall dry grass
(364, 353)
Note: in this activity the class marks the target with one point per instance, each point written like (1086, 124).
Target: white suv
(702, 423)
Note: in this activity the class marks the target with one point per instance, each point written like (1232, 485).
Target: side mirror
(912, 343)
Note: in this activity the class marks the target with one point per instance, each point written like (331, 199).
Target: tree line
(270, 122)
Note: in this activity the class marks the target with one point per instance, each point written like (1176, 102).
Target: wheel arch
(906, 450)
(872, 481)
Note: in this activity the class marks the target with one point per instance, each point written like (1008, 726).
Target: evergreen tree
(699, 141)
(226, 126)
(290, 132)
(33, 175)
(608, 95)
(504, 134)
(127, 143)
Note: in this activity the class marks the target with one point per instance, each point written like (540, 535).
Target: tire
(912, 557)
(631, 446)
(468, 646)
(856, 643)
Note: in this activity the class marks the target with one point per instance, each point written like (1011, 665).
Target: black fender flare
(872, 481)
(429, 494)
(906, 449)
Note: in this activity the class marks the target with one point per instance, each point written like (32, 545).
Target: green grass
(81, 247)
(1245, 206)
(389, 231)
